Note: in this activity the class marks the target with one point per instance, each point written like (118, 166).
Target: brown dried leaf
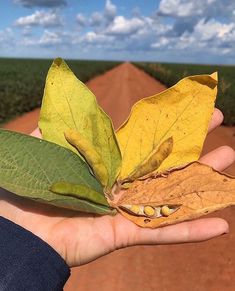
(197, 188)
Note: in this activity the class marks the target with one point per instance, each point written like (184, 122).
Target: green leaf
(69, 104)
(29, 166)
(79, 191)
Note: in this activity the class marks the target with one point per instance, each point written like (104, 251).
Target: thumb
(192, 231)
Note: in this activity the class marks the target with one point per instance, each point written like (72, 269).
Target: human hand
(81, 238)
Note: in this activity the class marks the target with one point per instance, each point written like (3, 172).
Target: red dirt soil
(206, 266)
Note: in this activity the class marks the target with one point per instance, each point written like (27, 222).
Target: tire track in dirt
(206, 266)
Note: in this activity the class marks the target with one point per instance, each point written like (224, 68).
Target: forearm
(27, 262)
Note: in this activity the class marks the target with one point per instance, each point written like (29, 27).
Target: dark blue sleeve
(27, 262)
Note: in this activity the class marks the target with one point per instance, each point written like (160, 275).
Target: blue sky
(201, 31)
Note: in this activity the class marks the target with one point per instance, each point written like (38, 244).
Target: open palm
(81, 238)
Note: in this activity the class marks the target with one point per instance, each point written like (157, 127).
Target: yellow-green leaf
(182, 112)
(89, 153)
(69, 104)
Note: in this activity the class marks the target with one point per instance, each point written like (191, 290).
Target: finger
(219, 159)
(193, 231)
(216, 120)
(36, 133)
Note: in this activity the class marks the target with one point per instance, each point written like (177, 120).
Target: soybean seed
(135, 209)
(149, 211)
(166, 211)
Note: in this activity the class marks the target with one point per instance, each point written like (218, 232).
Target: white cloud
(41, 3)
(208, 37)
(124, 26)
(27, 30)
(130, 34)
(50, 38)
(187, 41)
(162, 42)
(212, 29)
(202, 26)
(187, 16)
(28, 41)
(81, 19)
(179, 8)
(96, 19)
(199, 8)
(193, 31)
(152, 28)
(40, 18)
(110, 10)
(6, 37)
(92, 37)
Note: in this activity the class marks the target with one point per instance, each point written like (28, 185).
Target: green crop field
(169, 74)
(22, 82)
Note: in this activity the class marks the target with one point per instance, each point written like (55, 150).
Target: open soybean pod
(153, 161)
(89, 153)
(150, 211)
(79, 191)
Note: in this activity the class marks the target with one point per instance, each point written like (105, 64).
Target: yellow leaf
(153, 161)
(182, 112)
(184, 194)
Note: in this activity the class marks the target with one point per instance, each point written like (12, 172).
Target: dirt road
(207, 266)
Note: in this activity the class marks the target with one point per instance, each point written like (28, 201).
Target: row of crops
(22, 82)
(169, 74)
